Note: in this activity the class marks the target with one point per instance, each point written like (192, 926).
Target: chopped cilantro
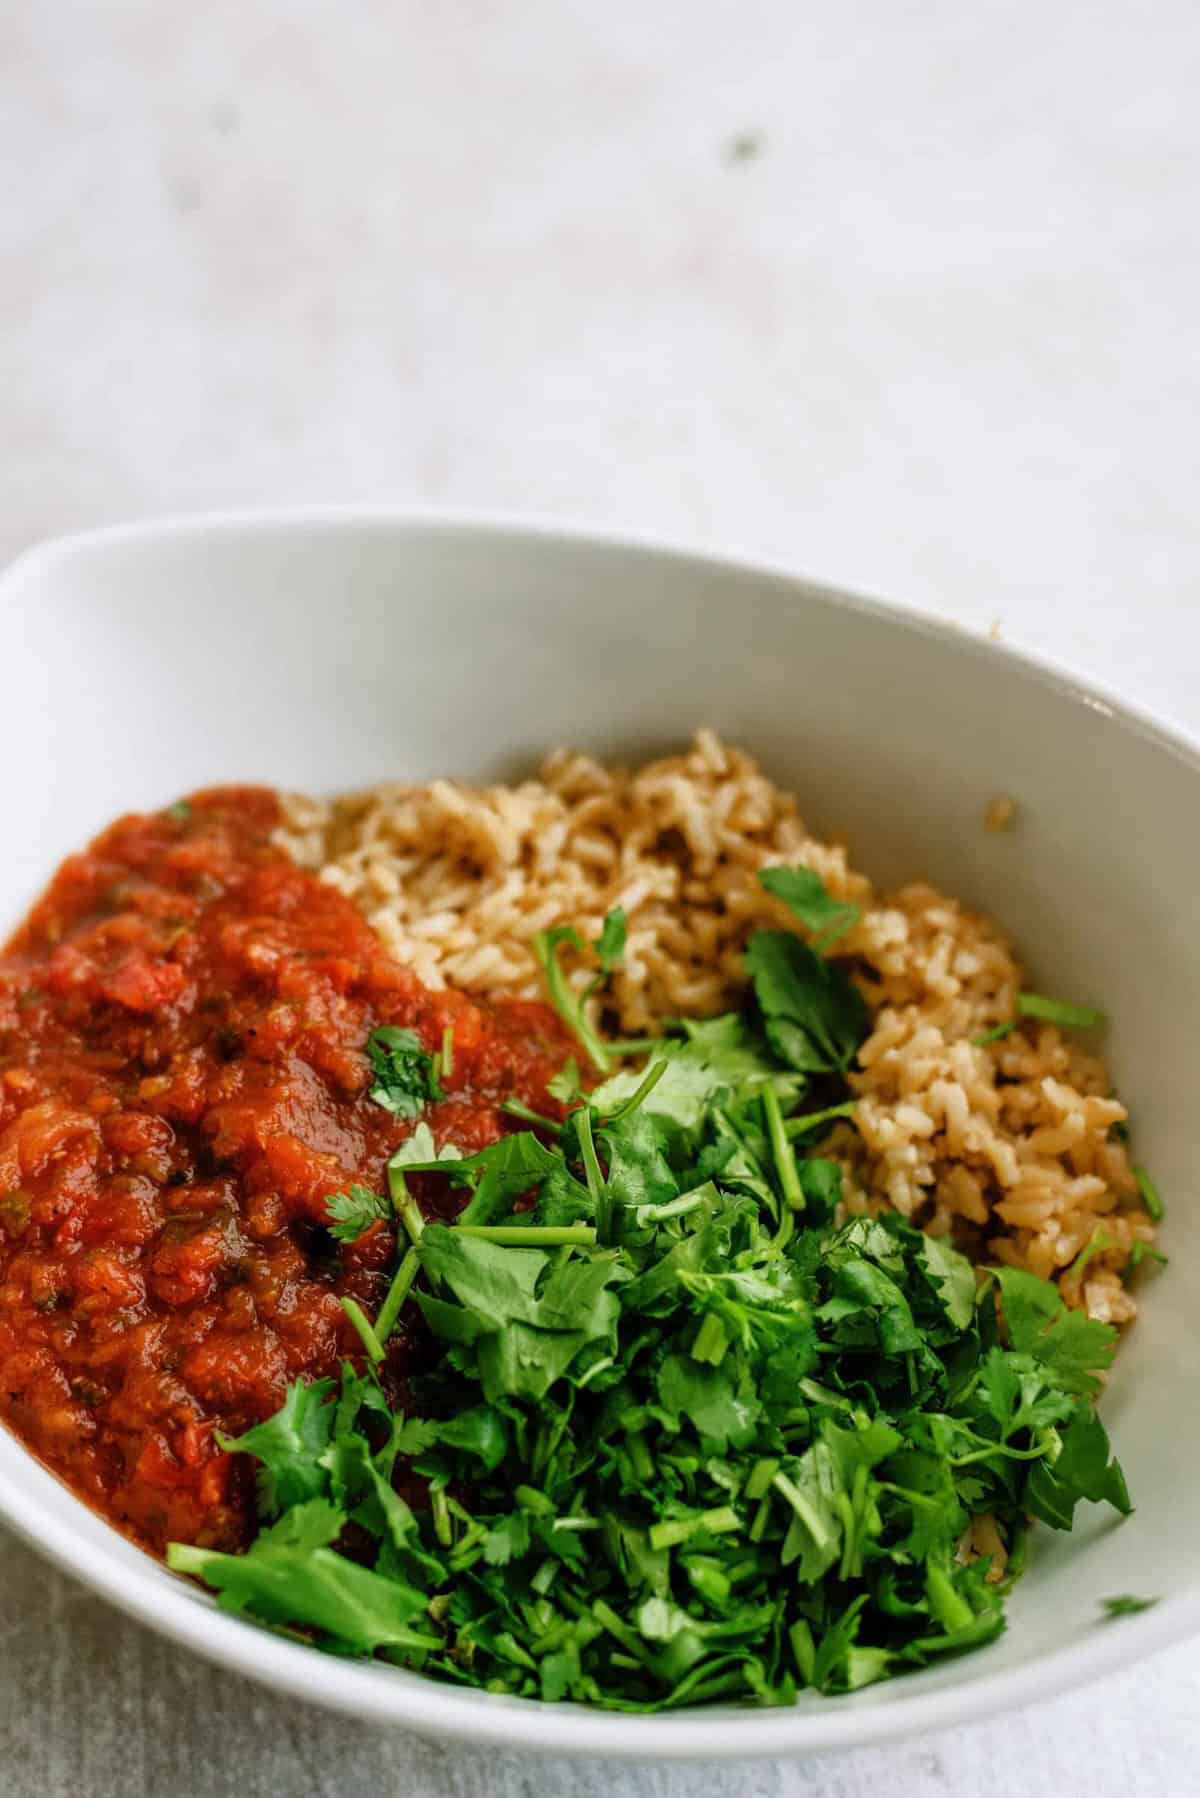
(1126, 1605)
(814, 1016)
(1056, 1011)
(682, 1436)
(804, 893)
(405, 1077)
(179, 812)
(566, 1085)
(1151, 1198)
(354, 1211)
(571, 1006)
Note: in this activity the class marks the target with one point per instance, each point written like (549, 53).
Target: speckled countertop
(903, 295)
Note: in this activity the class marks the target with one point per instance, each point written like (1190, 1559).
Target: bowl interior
(323, 653)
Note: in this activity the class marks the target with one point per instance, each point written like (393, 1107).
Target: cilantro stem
(674, 1530)
(530, 1499)
(759, 1482)
(407, 1209)
(443, 1526)
(591, 1168)
(516, 1109)
(802, 1125)
(635, 1045)
(629, 1640)
(1056, 1011)
(362, 1324)
(447, 1067)
(947, 1604)
(566, 1002)
(397, 1293)
(781, 1149)
(1097, 1242)
(516, 1236)
(657, 1214)
(653, 1076)
(711, 1341)
(1151, 1198)
(996, 1034)
(802, 1508)
(804, 1651)
(640, 1456)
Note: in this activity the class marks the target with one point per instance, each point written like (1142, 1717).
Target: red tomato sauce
(183, 1082)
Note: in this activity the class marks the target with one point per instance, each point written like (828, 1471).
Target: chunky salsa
(183, 1083)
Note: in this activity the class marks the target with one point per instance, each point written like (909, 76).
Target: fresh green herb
(571, 1006)
(179, 812)
(673, 1452)
(1056, 1011)
(566, 1085)
(1126, 1605)
(497, 1175)
(1144, 1251)
(813, 1014)
(688, 1438)
(1151, 1198)
(446, 1067)
(405, 1078)
(812, 1120)
(804, 893)
(610, 944)
(996, 1034)
(1096, 1244)
(354, 1211)
(420, 1150)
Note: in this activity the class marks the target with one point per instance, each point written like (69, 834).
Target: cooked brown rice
(1010, 1145)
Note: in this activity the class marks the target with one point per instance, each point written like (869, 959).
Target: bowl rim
(377, 1695)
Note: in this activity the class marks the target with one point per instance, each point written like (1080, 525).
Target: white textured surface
(937, 339)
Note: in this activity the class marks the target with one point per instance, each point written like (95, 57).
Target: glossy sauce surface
(183, 1082)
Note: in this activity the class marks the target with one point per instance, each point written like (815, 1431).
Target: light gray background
(937, 339)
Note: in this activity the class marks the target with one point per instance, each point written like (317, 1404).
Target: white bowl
(321, 651)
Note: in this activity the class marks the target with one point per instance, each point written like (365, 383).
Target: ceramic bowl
(324, 651)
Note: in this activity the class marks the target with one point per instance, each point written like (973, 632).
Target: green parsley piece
(1151, 1198)
(405, 1077)
(571, 1006)
(1056, 1011)
(354, 1211)
(996, 1034)
(179, 812)
(805, 895)
(1126, 1605)
(813, 1014)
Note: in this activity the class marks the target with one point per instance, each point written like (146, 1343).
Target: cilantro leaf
(420, 1151)
(814, 1016)
(289, 1446)
(1071, 1345)
(610, 944)
(805, 894)
(953, 1277)
(354, 1211)
(1085, 1468)
(404, 1076)
(714, 1059)
(290, 1574)
(498, 1175)
(566, 1086)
